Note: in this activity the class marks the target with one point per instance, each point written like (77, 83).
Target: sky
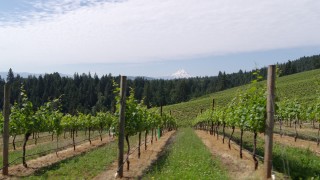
(155, 37)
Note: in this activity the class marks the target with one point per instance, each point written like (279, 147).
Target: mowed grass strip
(186, 158)
(47, 147)
(85, 166)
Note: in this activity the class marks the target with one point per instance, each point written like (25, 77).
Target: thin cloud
(92, 31)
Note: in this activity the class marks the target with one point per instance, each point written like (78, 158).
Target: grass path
(46, 146)
(87, 165)
(186, 158)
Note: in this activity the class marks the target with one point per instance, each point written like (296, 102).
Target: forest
(87, 93)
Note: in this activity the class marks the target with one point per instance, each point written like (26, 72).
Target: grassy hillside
(301, 86)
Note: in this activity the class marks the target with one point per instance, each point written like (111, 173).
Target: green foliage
(299, 86)
(246, 111)
(103, 120)
(257, 113)
(69, 122)
(133, 116)
(138, 118)
(293, 109)
(23, 118)
(22, 115)
(48, 117)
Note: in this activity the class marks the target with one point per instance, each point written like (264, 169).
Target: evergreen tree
(10, 76)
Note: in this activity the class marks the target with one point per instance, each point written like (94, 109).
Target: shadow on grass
(159, 163)
(55, 166)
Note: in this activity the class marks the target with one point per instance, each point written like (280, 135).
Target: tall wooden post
(269, 121)
(212, 104)
(6, 113)
(212, 125)
(123, 84)
(160, 135)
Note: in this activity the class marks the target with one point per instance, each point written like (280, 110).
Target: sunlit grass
(300, 86)
(85, 166)
(46, 147)
(186, 158)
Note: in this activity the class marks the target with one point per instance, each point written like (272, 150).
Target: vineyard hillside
(301, 86)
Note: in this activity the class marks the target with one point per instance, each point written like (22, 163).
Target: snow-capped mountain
(181, 73)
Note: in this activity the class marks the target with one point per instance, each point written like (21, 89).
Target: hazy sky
(155, 37)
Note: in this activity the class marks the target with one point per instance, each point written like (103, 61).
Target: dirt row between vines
(300, 143)
(49, 159)
(236, 167)
(47, 140)
(139, 166)
(289, 141)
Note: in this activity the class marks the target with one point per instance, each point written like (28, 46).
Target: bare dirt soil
(236, 167)
(33, 165)
(306, 131)
(138, 166)
(289, 141)
(303, 144)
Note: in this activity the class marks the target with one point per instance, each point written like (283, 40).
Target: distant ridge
(26, 74)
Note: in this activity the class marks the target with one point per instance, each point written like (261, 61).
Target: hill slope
(301, 86)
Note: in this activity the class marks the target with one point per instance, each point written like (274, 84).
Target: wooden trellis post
(6, 114)
(123, 85)
(269, 121)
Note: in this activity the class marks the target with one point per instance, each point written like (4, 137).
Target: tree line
(89, 93)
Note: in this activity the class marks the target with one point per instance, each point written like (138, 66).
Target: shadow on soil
(160, 162)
